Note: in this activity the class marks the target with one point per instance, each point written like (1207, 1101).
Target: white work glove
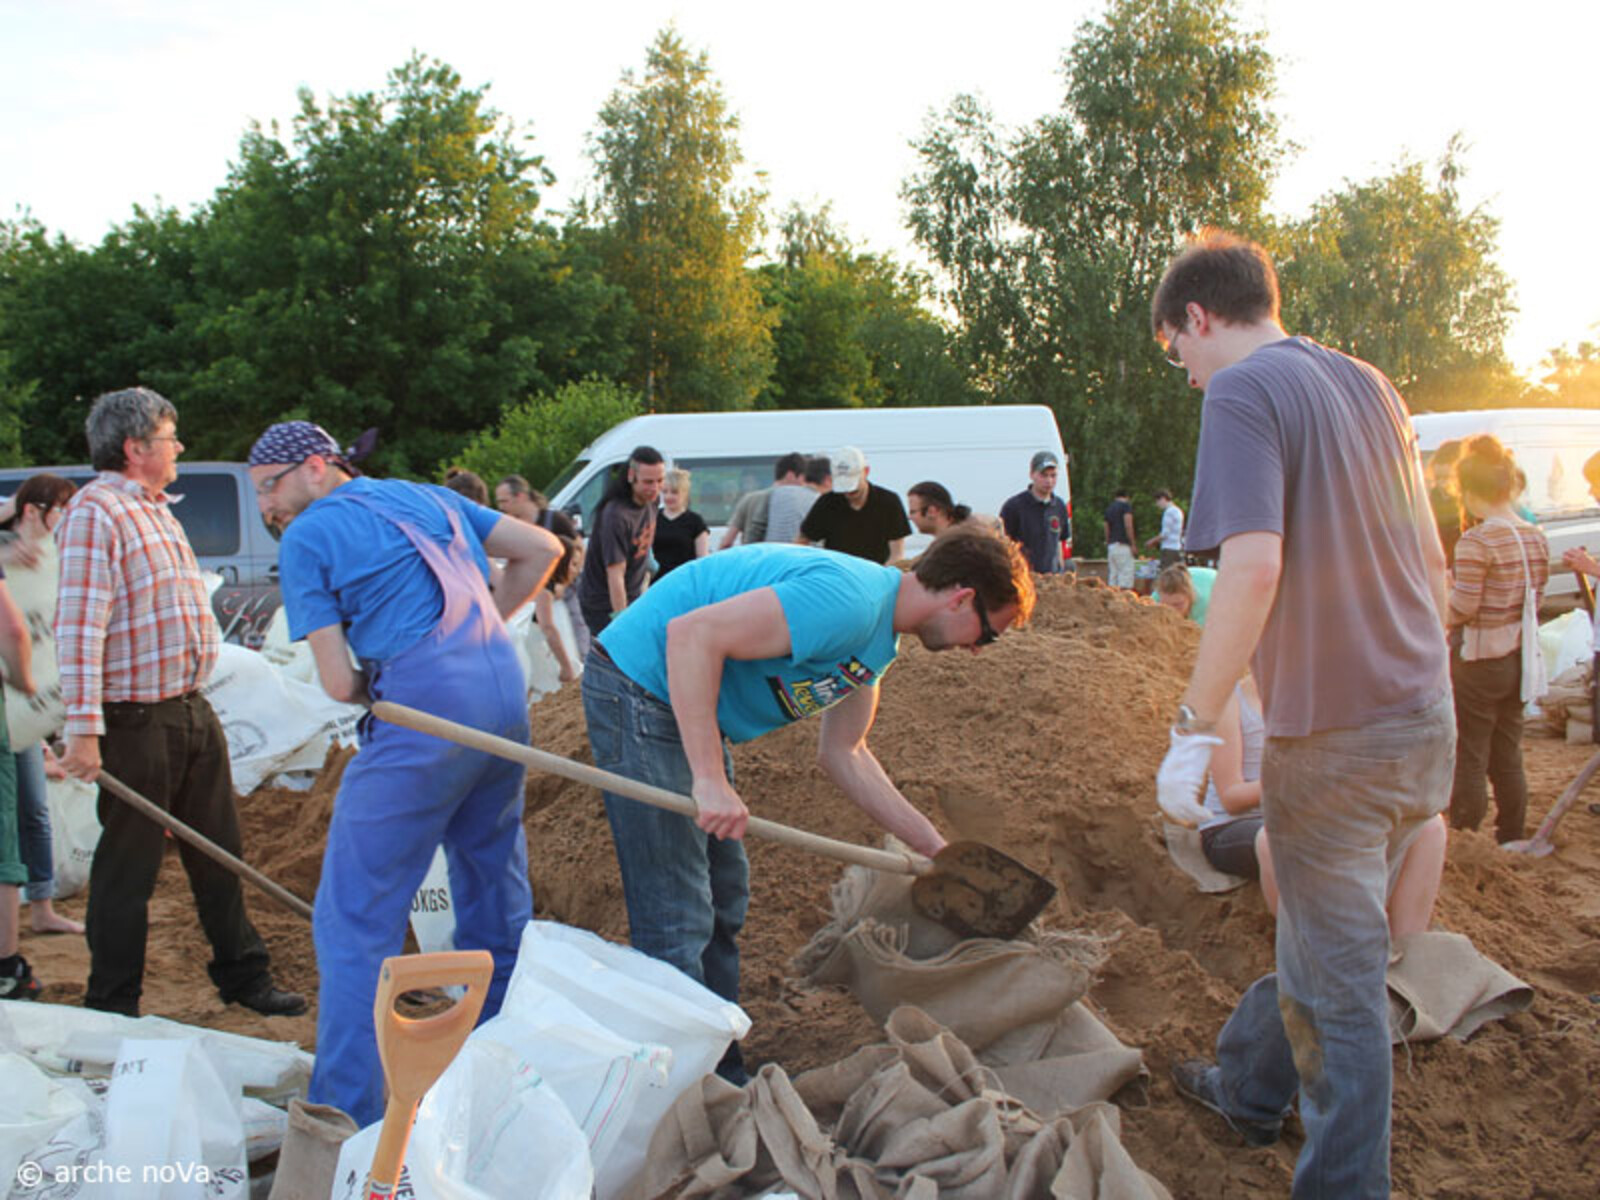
(1183, 777)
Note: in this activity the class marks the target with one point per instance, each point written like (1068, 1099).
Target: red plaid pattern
(133, 621)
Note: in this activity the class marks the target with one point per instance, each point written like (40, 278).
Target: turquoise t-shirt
(840, 613)
(342, 564)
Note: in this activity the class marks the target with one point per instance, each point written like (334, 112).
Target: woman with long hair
(1501, 566)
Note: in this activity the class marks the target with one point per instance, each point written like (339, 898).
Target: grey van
(218, 512)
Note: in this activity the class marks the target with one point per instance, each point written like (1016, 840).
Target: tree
(540, 436)
(679, 232)
(1050, 241)
(1572, 376)
(1395, 271)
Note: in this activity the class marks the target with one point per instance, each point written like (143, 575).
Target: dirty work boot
(1196, 1078)
(17, 981)
(270, 1000)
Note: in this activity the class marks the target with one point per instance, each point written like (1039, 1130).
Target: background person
(518, 498)
(1170, 538)
(17, 981)
(858, 517)
(616, 563)
(1037, 519)
(1186, 590)
(681, 533)
(467, 483)
(1500, 560)
(748, 521)
(136, 641)
(1120, 540)
(788, 504)
(932, 510)
(36, 510)
(734, 646)
(398, 573)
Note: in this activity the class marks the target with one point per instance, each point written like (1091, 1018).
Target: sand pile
(1047, 744)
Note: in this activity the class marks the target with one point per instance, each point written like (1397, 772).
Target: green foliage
(679, 231)
(851, 331)
(1050, 242)
(539, 437)
(1396, 272)
(1572, 376)
(387, 267)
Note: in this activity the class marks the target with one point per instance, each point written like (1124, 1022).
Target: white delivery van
(1551, 445)
(981, 454)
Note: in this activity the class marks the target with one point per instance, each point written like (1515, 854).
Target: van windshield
(1553, 462)
(566, 477)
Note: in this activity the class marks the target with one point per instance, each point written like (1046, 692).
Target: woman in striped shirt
(1499, 560)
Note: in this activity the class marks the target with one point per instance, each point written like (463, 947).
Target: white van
(1551, 445)
(981, 454)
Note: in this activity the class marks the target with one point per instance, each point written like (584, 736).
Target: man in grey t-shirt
(1332, 577)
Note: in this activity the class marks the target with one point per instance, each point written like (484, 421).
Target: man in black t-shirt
(614, 570)
(857, 517)
(1119, 541)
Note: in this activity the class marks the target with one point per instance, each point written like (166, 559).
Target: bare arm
(340, 677)
(843, 753)
(702, 544)
(531, 554)
(897, 550)
(1238, 796)
(747, 626)
(16, 647)
(1241, 598)
(616, 588)
(730, 535)
(1127, 524)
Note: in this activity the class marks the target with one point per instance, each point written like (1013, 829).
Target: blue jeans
(1341, 809)
(686, 891)
(33, 824)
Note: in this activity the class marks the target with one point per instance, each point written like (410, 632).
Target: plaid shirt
(133, 621)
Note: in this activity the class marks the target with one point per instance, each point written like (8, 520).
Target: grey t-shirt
(1307, 443)
(786, 508)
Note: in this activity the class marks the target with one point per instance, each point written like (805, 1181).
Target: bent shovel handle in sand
(203, 844)
(476, 739)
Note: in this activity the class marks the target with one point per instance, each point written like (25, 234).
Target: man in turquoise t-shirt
(735, 645)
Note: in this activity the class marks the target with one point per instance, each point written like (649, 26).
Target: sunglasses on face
(986, 634)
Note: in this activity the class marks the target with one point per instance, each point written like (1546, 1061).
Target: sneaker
(1196, 1079)
(17, 981)
(272, 1001)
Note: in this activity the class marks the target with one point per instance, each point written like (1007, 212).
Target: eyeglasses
(270, 484)
(986, 634)
(1173, 357)
(164, 437)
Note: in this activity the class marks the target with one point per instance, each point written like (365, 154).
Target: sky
(105, 104)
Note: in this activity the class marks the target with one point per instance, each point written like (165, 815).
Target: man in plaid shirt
(136, 641)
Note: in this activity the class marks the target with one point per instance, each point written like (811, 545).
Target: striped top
(1488, 592)
(133, 621)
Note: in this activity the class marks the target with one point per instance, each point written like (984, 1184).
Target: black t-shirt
(623, 533)
(1119, 528)
(675, 537)
(864, 532)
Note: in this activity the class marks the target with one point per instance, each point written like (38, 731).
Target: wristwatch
(1189, 721)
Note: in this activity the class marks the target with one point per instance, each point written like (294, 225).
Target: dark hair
(569, 547)
(1486, 469)
(1224, 274)
(1120, 494)
(620, 487)
(469, 483)
(518, 484)
(1162, 494)
(992, 566)
(819, 470)
(44, 490)
(937, 495)
(793, 463)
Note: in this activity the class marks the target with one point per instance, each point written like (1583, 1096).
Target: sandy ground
(1048, 744)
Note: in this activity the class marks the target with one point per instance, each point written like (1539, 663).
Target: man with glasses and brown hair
(733, 646)
(1331, 586)
(136, 641)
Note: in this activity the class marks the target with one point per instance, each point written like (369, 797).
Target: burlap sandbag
(705, 1146)
(1065, 1064)
(309, 1158)
(1439, 984)
(1189, 856)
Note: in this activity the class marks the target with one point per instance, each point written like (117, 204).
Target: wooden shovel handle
(866, 856)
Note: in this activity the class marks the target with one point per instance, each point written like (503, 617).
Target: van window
(1556, 486)
(209, 512)
(715, 484)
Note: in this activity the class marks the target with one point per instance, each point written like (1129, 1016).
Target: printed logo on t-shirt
(1055, 524)
(807, 697)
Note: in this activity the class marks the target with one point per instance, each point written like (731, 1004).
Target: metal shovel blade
(979, 892)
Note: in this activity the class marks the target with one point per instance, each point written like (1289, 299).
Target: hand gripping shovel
(970, 888)
(415, 1051)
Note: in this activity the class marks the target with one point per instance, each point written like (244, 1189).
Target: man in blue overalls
(397, 572)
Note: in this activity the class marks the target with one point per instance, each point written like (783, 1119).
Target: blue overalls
(404, 794)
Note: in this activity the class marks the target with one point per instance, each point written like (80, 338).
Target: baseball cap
(1044, 460)
(849, 464)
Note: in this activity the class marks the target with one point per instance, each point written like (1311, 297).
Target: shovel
(415, 1051)
(970, 888)
(1540, 844)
